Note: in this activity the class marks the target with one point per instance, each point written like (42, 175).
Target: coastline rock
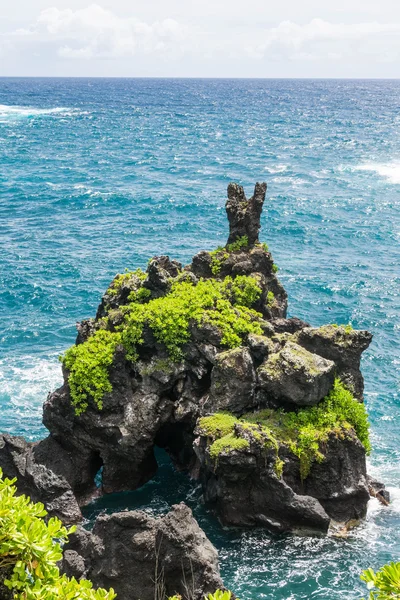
(233, 382)
(134, 552)
(244, 215)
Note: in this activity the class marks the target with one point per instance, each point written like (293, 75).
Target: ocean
(98, 175)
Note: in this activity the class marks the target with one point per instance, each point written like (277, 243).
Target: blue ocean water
(99, 175)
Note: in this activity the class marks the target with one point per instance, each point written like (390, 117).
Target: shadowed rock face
(133, 552)
(286, 365)
(244, 215)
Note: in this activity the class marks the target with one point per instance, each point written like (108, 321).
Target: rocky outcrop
(44, 472)
(244, 215)
(238, 353)
(143, 557)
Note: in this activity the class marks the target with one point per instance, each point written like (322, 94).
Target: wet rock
(134, 552)
(296, 376)
(244, 215)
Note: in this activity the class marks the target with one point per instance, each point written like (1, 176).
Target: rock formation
(201, 360)
(143, 558)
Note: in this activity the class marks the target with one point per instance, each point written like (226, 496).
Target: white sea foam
(22, 112)
(391, 170)
(24, 385)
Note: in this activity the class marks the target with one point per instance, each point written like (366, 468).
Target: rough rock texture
(296, 376)
(233, 382)
(244, 215)
(342, 345)
(41, 471)
(130, 551)
(245, 489)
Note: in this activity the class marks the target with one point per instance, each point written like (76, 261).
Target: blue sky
(200, 38)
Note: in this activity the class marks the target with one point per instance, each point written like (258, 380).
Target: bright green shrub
(31, 548)
(240, 243)
(88, 364)
(385, 583)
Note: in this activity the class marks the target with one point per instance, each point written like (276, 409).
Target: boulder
(260, 483)
(344, 346)
(233, 382)
(296, 376)
(143, 557)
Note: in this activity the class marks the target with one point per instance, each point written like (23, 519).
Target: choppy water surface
(99, 175)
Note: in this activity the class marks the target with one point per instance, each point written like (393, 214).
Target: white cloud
(321, 39)
(95, 32)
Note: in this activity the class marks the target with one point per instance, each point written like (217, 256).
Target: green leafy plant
(275, 268)
(240, 243)
(385, 583)
(30, 549)
(88, 366)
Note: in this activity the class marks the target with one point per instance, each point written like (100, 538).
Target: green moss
(221, 254)
(228, 443)
(263, 245)
(122, 278)
(304, 432)
(164, 365)
(88, 365)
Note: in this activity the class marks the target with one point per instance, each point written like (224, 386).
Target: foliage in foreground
(30, 549)
(385, 583)
(224, 304)
(304, 432)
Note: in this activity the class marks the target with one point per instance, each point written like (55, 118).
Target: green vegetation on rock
(385, 583)
(224, 304)
(220, 254)
(304, 432)
(88, 365)
(30, 548)
(122, 278)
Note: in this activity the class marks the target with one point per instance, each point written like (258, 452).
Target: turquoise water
(99, 175)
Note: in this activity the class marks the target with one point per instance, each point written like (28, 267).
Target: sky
(200, 38)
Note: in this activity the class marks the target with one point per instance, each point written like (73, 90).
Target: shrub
(30, 549)
(385, 583)
(88, 365)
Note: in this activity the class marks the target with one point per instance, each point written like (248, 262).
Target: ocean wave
(8, 112)
(24, 384)
(391, 171)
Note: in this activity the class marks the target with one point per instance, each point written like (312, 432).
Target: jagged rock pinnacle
(244, 215)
